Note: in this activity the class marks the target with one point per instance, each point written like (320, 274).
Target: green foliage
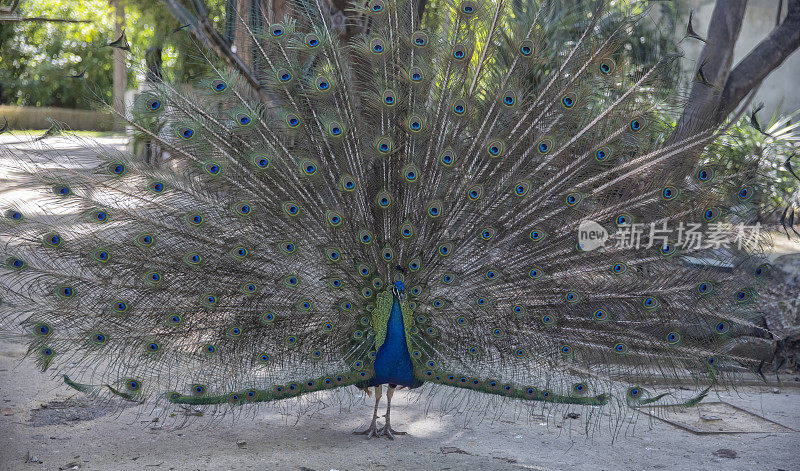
(764, 156)
(37, 58)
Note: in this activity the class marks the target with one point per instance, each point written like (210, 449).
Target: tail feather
(469, 155)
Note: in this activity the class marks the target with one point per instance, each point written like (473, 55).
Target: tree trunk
(766, 57)
(715, 60)
(709, 105)
(152, 152)
(241, 40)
(277, 10)
(120, 67)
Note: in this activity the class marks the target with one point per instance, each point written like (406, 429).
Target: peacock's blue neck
(392, 361)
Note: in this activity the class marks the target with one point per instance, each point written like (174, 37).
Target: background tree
(37, 58)
(729, 84)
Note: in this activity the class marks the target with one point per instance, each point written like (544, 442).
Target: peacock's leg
(372, 431)
(387, 429)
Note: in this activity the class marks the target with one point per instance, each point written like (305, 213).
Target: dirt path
(55, 427)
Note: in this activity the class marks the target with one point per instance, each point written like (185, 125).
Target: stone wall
(29, 117)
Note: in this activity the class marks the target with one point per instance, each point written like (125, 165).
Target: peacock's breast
(392, 361)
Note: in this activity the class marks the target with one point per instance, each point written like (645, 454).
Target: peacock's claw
(388, 432)
(370, 432)
(385, 431)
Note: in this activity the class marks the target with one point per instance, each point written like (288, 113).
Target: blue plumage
(392, 362)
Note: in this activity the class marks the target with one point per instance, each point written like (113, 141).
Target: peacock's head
(399, 288)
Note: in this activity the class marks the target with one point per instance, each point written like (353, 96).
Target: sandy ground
(45, 425)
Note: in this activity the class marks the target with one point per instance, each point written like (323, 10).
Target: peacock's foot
(388, 432)
(370, 432)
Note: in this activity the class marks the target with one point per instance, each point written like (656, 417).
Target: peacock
(476, 204)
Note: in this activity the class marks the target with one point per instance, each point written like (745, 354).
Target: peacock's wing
(467, 152)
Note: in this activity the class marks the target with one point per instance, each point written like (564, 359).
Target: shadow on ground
(44, 425)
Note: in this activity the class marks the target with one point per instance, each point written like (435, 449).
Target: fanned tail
(472, 160)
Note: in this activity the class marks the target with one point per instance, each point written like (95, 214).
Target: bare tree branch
(6, 15)
(205, 33)
(41, 19)
(763, 59)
